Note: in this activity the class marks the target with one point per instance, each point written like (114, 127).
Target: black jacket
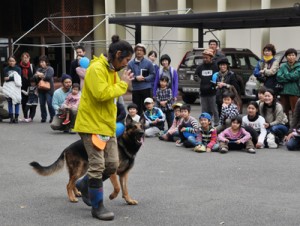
(205, 72)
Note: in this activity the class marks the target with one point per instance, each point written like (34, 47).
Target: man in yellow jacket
(96, 121)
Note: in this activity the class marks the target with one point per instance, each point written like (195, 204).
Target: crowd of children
(264, 126)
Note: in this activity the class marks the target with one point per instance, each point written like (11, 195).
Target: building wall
(282, 38)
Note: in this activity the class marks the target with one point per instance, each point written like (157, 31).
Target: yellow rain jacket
(97, 110)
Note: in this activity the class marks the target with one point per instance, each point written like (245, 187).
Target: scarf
(254, 118)
(268, 58)
(25, 69)
(223, 75)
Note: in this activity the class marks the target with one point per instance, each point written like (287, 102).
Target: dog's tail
(48, 170)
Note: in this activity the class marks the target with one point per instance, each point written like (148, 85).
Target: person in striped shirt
(188, 127)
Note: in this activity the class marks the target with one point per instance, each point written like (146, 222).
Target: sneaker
(62, 116)
(251, 151)
(223, 150)
(66, 122)
(180, 144)
(28, 120)
(200, 148)
(271, 141)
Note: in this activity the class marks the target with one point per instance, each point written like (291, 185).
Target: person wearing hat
(206, 139)
(169, 72)
(155, 119)
(226, 80)
(45, 72)
(144, 74)
(173, 134)
(204, 73)
(58, 99)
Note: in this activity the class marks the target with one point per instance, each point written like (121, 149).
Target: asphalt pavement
(174, 185)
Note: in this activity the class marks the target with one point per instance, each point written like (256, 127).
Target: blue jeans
(10, 107)
(293, 144)
(194, 142)
(46, 98)
(278, 130)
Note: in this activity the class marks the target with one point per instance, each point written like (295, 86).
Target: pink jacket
(242, 135)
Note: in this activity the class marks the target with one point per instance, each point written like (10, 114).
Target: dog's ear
(129, 120)
(142, 119)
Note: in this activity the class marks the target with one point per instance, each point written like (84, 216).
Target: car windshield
(193, 61)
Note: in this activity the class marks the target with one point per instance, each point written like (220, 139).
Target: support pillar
(222, 34)
(145, 34)
(265, 32)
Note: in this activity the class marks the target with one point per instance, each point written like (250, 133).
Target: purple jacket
(174, 78)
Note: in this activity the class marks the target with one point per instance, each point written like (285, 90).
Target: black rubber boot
(16, 118)
(83, 186)
(11, 118)
(96, 197)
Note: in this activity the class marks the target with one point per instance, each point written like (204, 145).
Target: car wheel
(189, 99)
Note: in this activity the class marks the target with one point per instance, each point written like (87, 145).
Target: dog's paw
(78, 194)
(74, 200)
(113, 195)
(131, 201)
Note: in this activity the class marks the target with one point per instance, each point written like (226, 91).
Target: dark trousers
(24, 103)
(169, 117)
(254, 134)
(138, 97)
(31, 109)
(44, 98)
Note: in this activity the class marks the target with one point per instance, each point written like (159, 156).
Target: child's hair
(33, 79)
(164, 78)
(273, 105)
(255, 104)
(186, 107)
(228, 94)
(238, 119)
(152, 52)
(76, 85)
(132, 105)
(261, 90)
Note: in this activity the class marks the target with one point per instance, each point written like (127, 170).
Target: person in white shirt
(254, 124)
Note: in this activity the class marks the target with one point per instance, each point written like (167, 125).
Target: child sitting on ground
(229, 110)
(164, 99)
(33, 100)
(70, 104)
(206, 139)
(188, 128)
(173, 134)
(132, 109)
(261, 95)
(155, 119)
(235, 137)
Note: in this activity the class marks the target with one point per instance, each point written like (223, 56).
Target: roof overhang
(262, 18)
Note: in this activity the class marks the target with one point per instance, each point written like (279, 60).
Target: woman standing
(12, 88)
(45, 72)
(170, 72)
(289, 76)
(27, 72)
(266, 69)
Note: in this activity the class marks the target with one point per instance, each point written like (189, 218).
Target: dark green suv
(242, 62)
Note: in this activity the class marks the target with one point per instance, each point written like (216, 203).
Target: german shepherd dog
(76, 160)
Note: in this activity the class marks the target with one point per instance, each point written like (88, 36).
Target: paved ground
(174, 186)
